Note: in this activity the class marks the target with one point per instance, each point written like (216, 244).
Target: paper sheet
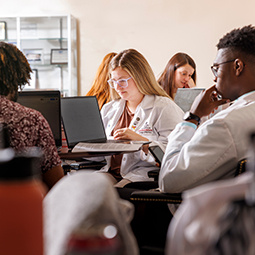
(104, 147)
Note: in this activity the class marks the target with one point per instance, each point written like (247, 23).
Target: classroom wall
(156, 28)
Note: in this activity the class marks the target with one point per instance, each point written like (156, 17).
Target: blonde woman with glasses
(140, 110)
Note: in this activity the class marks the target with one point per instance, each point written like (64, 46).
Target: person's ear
(238, 66)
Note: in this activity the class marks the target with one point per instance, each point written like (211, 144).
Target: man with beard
(200, 154)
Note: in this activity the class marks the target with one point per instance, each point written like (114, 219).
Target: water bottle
(21, 196)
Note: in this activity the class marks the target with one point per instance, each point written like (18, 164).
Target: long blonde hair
(100, 87)
(139, 69)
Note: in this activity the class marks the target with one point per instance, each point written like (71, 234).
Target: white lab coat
(155, 117)
(197, 224)
(194, 157)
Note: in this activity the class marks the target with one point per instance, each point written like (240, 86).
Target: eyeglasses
(123, 83)
(215, 67)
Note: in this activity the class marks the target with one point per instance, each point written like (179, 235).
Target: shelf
(9, 40)
(36, 37)
(48, 65)
(46, 39)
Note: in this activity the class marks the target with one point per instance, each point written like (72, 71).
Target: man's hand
(206, 102)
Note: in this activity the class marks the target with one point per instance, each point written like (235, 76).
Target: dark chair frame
(154, 195)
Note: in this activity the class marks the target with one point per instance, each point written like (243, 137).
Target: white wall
(156, 28)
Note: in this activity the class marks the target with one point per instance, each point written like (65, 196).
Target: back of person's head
(100, 87)
(14, 69)
(135, 64)
(166, 80)
(240, 41)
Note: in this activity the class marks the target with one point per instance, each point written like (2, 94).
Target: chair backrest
(241, 167)
(175, 198)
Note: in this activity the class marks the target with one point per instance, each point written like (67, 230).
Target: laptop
(82, 123)
(47, 102)
(185, 96)
(82, 120)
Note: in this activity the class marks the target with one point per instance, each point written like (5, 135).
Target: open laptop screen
(82, 120)
(48, 104)
(185, 96)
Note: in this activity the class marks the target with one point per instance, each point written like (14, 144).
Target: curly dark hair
(14, 69)
(241, 39)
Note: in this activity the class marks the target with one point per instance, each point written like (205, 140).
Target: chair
(82, 164)
(172, 198)
(152, 215)
(241, 167)
(154, 174)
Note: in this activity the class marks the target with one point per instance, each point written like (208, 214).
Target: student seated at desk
(27, 127)
(180, 72)
(198, 155)
(140, 110)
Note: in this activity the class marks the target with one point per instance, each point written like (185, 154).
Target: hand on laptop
(128, 134)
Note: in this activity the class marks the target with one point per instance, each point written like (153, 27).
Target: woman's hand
(191, 83)
(128, 134)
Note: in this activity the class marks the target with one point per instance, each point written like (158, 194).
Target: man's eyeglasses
(122, 82)
(215, 67)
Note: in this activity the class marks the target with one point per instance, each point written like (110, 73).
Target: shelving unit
(36, 37)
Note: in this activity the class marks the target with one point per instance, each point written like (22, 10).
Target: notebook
(84, 127)
(47, 102)
(185, 96)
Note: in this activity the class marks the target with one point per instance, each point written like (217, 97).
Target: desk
(89, 150)
(79, 155)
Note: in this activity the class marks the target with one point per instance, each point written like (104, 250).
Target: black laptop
(47, 102)
(82, 120)
(83, 123)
